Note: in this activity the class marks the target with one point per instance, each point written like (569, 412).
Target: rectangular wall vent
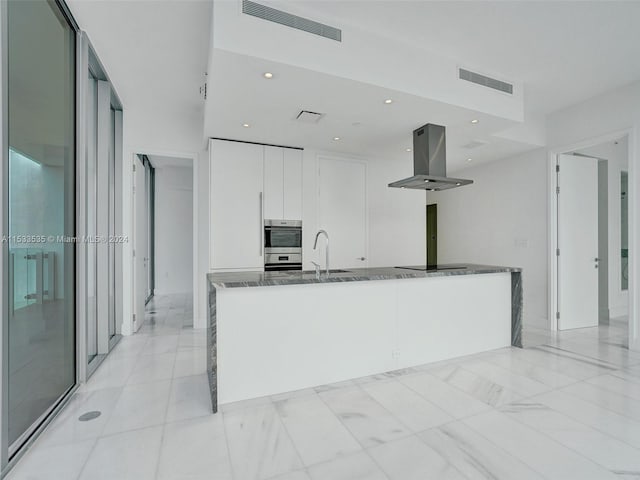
(289, 20)
(485, 81)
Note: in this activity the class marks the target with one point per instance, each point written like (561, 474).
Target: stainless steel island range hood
(430, 162)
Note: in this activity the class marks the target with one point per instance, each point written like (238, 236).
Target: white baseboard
(618, 311)
(535, 321)
(161, 292)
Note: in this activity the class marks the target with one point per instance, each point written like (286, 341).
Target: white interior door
(578, 242)
(140, 229)
(343, 211)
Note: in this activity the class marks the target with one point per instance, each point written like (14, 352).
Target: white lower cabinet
(236, 205)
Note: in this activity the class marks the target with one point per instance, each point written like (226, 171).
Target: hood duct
(430, 162)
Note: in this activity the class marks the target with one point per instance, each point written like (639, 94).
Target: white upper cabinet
(236, 205)
(292, 198)
(282, 183)
(273, 182)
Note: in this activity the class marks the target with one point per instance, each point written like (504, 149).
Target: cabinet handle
(261, 222)
(361, 259)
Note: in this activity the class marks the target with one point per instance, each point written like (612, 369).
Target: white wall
(396, 218)
(501, 219)
(608, 115)
(617, 156)
(173, 230)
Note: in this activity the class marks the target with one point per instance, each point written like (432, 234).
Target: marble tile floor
(565, 407)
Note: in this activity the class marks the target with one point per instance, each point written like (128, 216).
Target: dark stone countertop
(265, 279)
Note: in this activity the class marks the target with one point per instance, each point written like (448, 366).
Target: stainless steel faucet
(317, 267)
(326, 251)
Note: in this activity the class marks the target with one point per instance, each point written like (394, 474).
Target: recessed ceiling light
(458, 184)
(469, 159)
(475, 120)
(267, 75)
(246, 125)
(408, 149)
(388, 101)
(403, 187)
(336, 138)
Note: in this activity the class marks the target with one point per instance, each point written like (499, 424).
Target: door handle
(261, 204)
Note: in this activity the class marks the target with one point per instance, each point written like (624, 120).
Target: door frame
(552, 215)
(187, 157)
(138, 161)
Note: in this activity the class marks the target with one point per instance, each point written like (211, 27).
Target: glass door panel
(41, 316)
(112, 222)
(92, 222)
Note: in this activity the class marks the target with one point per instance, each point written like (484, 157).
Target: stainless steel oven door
(286, 235)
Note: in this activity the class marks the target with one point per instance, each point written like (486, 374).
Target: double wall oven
(282, 245)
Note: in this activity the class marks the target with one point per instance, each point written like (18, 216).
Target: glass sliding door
(91, 217)
(100, 165)
(112, 222)
(39, 320)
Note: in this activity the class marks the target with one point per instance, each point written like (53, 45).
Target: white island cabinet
(249, 183)
(271, 333)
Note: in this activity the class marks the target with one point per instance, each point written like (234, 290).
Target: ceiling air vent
(485, 81)
(293, 21)
(305, 116)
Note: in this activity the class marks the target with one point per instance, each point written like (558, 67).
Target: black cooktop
(430, 268)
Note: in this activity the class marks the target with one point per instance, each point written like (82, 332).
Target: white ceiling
(355, 112)
(155, 52)
(563, 51)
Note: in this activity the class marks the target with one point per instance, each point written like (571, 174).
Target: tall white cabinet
(249, 183)
(236, 205)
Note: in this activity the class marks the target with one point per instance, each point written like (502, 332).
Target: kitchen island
(273, 332)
